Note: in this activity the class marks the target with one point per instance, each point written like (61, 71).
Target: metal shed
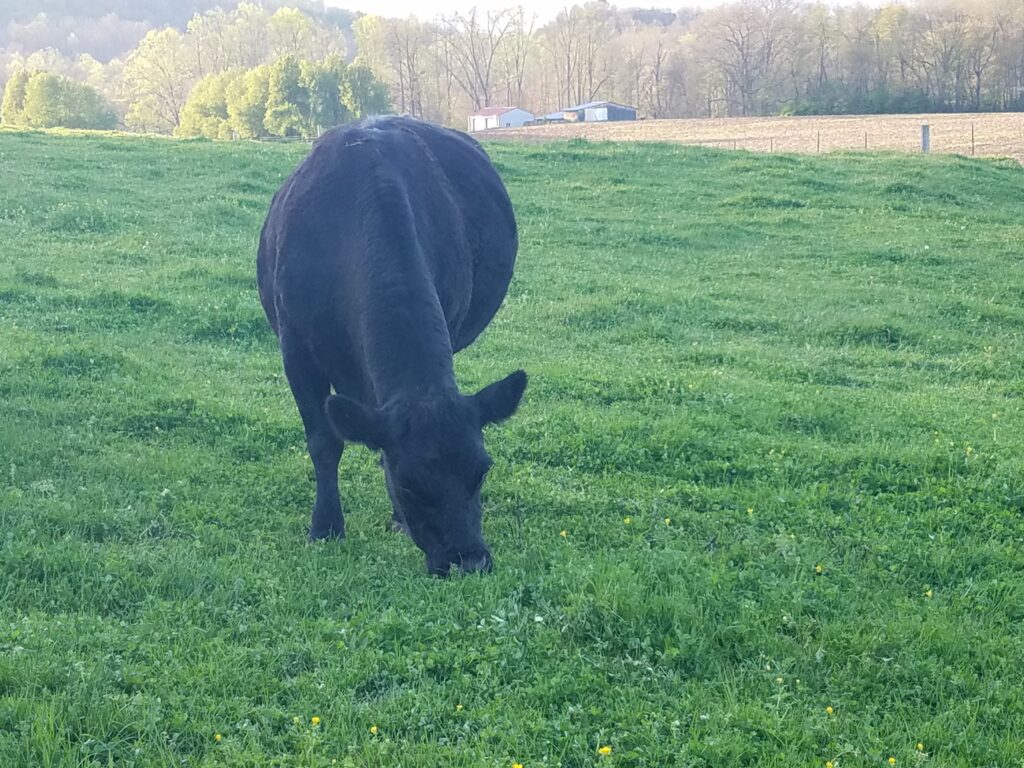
(600, 112)
(498, 117)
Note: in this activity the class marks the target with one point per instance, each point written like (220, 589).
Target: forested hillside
(749, 57)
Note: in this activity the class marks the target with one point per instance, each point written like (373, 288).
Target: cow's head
(435, 464)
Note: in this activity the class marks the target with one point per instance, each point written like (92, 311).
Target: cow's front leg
(311, 387)
(396, 524)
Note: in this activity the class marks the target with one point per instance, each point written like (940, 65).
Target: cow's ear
(498, 401)
(356, 423)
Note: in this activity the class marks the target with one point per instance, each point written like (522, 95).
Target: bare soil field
(994, 134)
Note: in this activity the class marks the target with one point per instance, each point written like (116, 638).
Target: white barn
(498, 117)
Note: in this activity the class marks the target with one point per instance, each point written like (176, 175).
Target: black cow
(389, 249)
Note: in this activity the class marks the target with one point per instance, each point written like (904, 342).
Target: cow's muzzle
(477, 561)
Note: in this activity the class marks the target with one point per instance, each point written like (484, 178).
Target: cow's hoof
(326, 534)
(396, 526)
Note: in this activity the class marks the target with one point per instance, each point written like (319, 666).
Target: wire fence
(996, 134)
(969, 135)
(967, 141)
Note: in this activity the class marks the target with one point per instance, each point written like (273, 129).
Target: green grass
(800, 361)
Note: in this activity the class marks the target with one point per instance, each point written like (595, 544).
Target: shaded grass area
(765, 364)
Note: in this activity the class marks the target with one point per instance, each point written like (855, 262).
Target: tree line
(107, 29)
(46, 100)
(751, 57)
(287, 98)
(227, 73)
(748, 57)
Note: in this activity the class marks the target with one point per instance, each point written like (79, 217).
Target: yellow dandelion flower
(819, 569)
(750, 510)
(828, 764)
(929, 594)
(458, 707)
(920, 747)
(296, 720)
(564, 534)
(969, 450)
(373, 729)
(892, 761)
(517, 765)
(605, 750)
(829, 711)
(314, 720)
(668, 521)
(627, 520)
(217, 737)
(778, 680)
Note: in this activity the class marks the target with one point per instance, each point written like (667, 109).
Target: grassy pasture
(775, 409)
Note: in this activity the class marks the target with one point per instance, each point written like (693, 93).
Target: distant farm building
(499, 117)
(593, 112)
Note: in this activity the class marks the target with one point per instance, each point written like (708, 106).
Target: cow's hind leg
(311, 387)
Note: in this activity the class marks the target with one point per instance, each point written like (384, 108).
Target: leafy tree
(206, 111)
(287, 100)
(246, 100)
(363, 94)
(14, 98)
(157, 79)
(323, 82)
(291, 32)
(45, 101)
(212, 42)
(397, 49)
(249, 36)
(88, 109)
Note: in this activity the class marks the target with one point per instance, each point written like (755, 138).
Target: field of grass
(994, 134)
(763, 504)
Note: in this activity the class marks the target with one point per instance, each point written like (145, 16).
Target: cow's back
(451, 201)
(490, 222)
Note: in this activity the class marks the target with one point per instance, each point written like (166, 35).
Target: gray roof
(592, 104)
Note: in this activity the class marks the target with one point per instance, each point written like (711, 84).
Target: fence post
(819, 142)
(865, 141)
(771, 144)
(926, 138)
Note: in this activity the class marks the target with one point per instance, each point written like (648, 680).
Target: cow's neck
(408, 350)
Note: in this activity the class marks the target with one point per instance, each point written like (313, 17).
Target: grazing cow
(389, 249)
